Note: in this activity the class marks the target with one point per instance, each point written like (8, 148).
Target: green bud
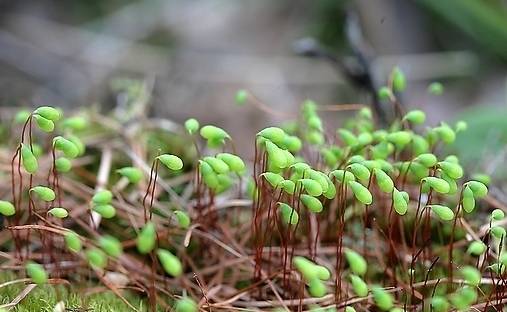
(235, 163)
(443, 212)
(312, 187)
(436, 88)
(347, 137)
(102, 197)
(439, 304)
(317, 288)
(96, 258)
(288, 214)
(186, 305)
(170, 263)
(183, 219)
(28, 160)
(361, 193)
(106, 211)
(58, 212)
(498, 232)
(359, 286)
(384, 181)
(438, 184)
(75, 123)
(44, 193)
(36, 272)
(111, 246)
(356, 262)
(72, 241)
(172, 162)
(44, 124)
(147, 238)
(192, 125)
(7, 208)
(416, 117)
(312, 203)
(63, 164)
(399, 202)
(398, 80)
(468, 200)
(471, 275)
(428, 160)
(478, 188)
(384, 93)
(68, 148)
(451, 169)
(476, 248)
(48, 112)
(497, 215)
(133, 174)
(382, 298)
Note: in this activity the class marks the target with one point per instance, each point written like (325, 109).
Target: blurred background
(192, 57)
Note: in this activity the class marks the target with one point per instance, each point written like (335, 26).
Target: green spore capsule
(313, 204)
(400, 203)
(44, 193)
(288, 214)
(276, 155)
(241, 97)
(182, 218)
(471, 275)
(273, 134)
(312, 187)
(384, 181)
(7, 208)
(360, 171)
(382, 298)
(102, 197)
(428, 160)
(292, 143)
(274, 179)
(322, 273)
(476, 248)
(44, 124)
(234, 162)
(468, 200)
(419, 145)
(446, 134)
(315, 137)
(320, 177)
(330, 193)
(21, 116)
(106, 211)
(224, 183)
(439, 304)
(416, 117)
(289, 158)
(498, 232)
(172, 162)
(96, 258)
(288, 186)
(356, 262)
(58, 212)
(483, 178)
(191, 125)
(460, 126)
(453, 186)
(133, 174)
(72, 241)
(68, 148)
(63, 164)
(436, 88)
(170, 263)
(497, 215)
(315, 123)
(343, 176)
(186, 305)
(75, 123)
(347, 137)
(359, 286)
(28, 159)
(300, 167)
(349, 309)
(443, 212)
(208, 174)
(438, 184)
(418, 171)
(384, 93)
(453, 170)
(37, 273)
(213, 133)
(480, 190)
(317, 288)
(364, 138)
(398, 80)
(48, 112)
(147, 238)
(111, 245)
(361, 193)
(329, 157)
(37, 150)
(307, 268)
(399, 138)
